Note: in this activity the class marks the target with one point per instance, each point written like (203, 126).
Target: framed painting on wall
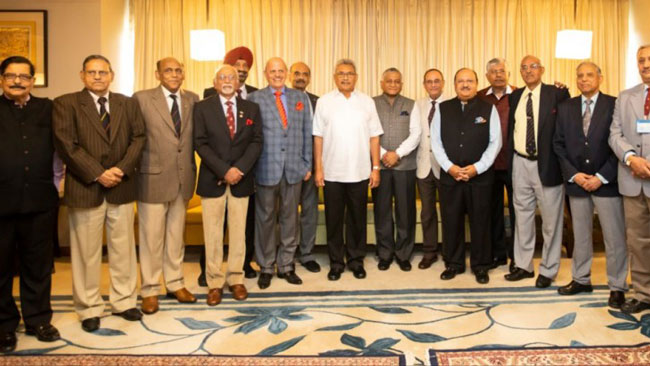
(24, 33)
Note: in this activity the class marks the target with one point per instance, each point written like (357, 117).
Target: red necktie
(646, 107)
(230, 120)
(283, 113)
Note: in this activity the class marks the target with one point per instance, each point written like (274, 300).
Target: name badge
(643, 125)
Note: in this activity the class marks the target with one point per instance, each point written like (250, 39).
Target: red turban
(239, 53)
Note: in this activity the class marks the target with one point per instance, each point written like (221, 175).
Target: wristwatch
(628, 161)
(375, 167)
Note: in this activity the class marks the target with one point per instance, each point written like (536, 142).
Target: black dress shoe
(383, 265)
(264, 281)
(427, 262)
(512, 267)
(482, 276)
(45, 332)
(519, 274)
(201, 280)
(498, 262)
(634, 306)
(404, 265)
(312, 266)
(359, 273)
(616, 299)
(334, 274)
(132, 315)
(291, 277)
(7, 342)
(249, 272)
(542, 281)
(574, 288)
(450, 273)
(90, 325)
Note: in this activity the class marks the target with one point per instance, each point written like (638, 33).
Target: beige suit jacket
(88, 151)
(167, 166)
(426, 162)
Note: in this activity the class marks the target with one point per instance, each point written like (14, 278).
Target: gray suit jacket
(623, 138)
(426, 162)
(167, 164)
(87, 151)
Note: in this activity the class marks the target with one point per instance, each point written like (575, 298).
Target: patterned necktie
(646, 106)
(283, 113)
(432, 111)
(530, 127)
(586, 117)
(230, 119)
(176, 115)
(104, 117)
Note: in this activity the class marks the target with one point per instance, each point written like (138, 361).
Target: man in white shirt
(346, 131)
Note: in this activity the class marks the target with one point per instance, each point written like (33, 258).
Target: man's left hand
(374, 179)
(592, 184)
(469, 171)
(307, 176)
(390, 159)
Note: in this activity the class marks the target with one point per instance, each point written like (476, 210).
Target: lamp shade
(207, 45)
(573, 44)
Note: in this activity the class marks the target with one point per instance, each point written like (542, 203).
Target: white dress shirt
(96, 99)
(169, 100)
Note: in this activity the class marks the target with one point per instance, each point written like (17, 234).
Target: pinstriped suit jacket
(87, 151)
(290, 151)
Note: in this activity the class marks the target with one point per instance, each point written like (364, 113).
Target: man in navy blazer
(285, 163)
(228, 138)
(535, 172)
(589, 171)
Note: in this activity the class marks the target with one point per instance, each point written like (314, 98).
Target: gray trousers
(308, 219)
(528, 193)
(637, 228)
(276, 205)
(429, 214)
(610, 215)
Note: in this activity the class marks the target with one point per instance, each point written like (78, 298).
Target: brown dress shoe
(238, 292)
(149, 304)
(182, 295)
(214, 296)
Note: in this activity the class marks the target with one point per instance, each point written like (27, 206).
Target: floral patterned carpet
(422, 322)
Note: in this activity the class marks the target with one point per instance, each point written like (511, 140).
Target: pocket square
(249, 122)
(300, 106)
(480, 119)
(404, 113)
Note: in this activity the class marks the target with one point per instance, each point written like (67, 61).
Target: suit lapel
(239, 118)
(637, 102)
(116, 113)
(597, 114)
(88, 106)
(161, 106)
(185, 112)
(291, 103)
(220, 114)
(544, 99)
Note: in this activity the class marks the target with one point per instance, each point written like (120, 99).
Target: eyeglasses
(226, 77)
(170, 71)
(22, 77)
(94, 73)
(498, 72)
(344, 75)
(531, 67)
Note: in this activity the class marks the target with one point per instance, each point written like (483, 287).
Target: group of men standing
(264, 153)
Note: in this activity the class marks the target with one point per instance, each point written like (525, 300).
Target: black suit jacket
(208, 92)
(26, 152)
(590, 154)
(313, 99)
(547, 162)
(219, 153)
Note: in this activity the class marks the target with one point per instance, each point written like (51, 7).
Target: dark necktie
(432, 111)
(646, 107)
(586, 117)
(176, 115)
(281, 111)
(530, 127)
(238, 93)
(230, 119)
(104, 117)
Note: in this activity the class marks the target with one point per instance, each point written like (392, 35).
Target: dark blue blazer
(589, 154)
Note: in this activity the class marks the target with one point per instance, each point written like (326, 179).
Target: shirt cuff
(573, 178)
(628, 154)
(602, 179)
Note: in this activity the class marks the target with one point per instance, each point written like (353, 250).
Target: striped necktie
(104, 117)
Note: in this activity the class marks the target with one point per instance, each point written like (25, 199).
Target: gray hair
(391, 69)
(642, 48)
(495, 61)
(346, 61)
(589, 63)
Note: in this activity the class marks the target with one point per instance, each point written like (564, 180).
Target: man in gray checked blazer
(285, 162)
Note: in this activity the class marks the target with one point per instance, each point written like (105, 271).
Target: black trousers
(457, 200)
(398, 185)
(502, 246)
(250, 235)
(29, 238)
(346, 203)
(428, 187)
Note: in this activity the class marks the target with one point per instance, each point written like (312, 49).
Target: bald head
(299, 75)
(170, 73)
(531, 70)
(275, 72)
